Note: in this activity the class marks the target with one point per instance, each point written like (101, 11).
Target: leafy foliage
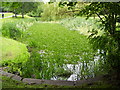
(52, 12)
(36, 12)
(108, 43)
(15, 30)
(20, 7)
(10, 30)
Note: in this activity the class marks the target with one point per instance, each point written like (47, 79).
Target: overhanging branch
(99, 17)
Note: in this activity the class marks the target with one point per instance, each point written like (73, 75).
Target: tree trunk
(22, 15)
(22, 9)
(15, 15)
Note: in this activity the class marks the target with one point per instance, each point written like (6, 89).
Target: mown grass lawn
(11, 49)
(11, 14)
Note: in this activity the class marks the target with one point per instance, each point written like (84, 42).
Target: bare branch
(99, 17)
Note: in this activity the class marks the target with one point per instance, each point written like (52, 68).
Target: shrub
(16, 28)
(10, 30)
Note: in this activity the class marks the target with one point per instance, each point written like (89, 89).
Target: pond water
(78, 71)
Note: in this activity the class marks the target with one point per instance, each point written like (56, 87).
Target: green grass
(11, 49)
(10, 14)
(54, 45)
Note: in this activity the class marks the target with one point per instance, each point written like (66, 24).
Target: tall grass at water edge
(83, 25)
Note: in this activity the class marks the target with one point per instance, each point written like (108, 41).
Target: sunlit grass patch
(12, 50)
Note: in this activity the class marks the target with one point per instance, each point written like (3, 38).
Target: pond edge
(32, 81)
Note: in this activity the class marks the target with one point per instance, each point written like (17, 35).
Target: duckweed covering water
(52, 47)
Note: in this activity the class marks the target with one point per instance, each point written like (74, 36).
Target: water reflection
(72, 72)
(82, 70)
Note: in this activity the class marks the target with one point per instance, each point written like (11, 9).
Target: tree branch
(99, 17)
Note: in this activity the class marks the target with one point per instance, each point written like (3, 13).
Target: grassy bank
(13, 53)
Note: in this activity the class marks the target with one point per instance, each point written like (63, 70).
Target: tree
(37, 12)
(109, 42)
(52, 11)
(20, 7)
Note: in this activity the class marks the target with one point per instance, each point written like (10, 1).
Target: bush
(10, 30)
(15, 29)
(16, 63)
